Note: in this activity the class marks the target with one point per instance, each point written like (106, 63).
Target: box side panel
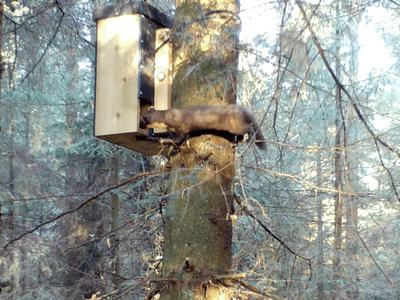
(147, 53)
(117, 69)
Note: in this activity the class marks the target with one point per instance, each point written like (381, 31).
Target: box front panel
(117, 67)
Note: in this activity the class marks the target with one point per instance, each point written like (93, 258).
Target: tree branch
(392, 182)
(246, 210)
(375, 262)
(48, 44)
(83, 204)
(341, 86)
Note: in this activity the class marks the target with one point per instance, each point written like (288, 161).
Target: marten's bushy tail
(256, 133)
(260, 140)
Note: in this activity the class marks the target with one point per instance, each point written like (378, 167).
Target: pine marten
(233, 119)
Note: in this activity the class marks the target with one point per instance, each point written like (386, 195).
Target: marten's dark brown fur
(234, 119)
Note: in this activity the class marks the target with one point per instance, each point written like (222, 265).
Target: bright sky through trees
(259, 18)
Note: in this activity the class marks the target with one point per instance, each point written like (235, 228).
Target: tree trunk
(2, 106)
(82, 273)
(338, 167)
(320, 234)
(198, 229)
(353, 176)
(115, 217)
(352, 248)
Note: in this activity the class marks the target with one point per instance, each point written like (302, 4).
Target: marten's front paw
(166, 142)
(246, 137)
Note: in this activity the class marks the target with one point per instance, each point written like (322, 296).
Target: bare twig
(30, 199)
(301, 181)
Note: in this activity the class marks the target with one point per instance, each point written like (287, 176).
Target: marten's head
(145, 117)
(153, 119)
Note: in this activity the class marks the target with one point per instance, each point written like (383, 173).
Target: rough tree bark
(198, 229)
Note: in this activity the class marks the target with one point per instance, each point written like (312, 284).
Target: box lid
(134, 7)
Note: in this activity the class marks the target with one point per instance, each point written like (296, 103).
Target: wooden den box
(132, 72)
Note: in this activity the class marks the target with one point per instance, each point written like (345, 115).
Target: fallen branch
(256, 291)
